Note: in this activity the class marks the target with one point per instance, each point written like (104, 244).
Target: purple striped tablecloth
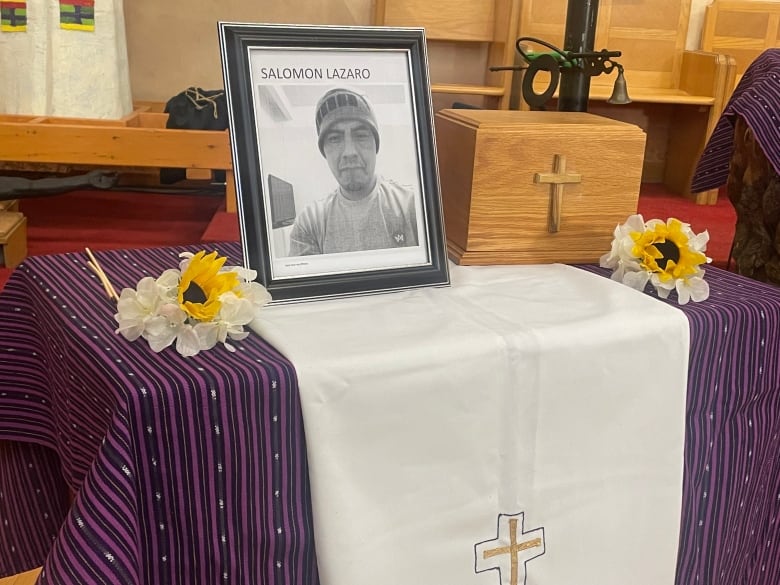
(756, 99)
(730, 529)
(175, 461)
(185, 470)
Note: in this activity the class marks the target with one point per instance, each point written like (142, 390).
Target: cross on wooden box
(535, 187)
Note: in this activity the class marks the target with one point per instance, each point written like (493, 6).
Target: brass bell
(619, 92)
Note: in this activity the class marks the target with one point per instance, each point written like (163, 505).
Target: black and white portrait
(334, 153)
(338, 151)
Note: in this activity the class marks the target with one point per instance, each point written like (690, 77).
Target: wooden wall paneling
(173, 45)
(472, 21)
(650, 33)
(486, 27)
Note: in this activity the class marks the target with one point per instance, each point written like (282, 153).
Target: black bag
(195, 109)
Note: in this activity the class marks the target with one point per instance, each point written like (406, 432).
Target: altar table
(202, 497)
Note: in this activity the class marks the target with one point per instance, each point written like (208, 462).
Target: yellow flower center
(202, 284)
(664, 250)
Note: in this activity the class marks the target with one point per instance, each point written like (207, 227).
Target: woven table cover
(174, 461)
(186, 470)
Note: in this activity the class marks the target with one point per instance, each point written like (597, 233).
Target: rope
(199, 98)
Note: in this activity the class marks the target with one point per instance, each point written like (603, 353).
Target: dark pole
(580, 36)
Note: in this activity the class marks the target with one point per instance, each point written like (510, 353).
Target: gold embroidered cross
(513, 549)
(557, 180)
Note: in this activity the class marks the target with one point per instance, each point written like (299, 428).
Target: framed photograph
(334, 157)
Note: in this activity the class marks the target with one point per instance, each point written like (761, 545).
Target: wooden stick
(98, 270)
(102, 278)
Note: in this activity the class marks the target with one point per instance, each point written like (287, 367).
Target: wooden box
(9, 205)
(13, 238)
(524, 187)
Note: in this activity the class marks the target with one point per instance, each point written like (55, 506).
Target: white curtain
(50, 71)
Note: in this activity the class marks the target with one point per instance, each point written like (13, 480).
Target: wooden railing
(139, 140)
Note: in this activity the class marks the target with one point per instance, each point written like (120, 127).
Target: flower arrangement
(666, 254)
(198, 305)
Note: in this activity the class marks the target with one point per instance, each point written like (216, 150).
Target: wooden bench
(742, 29)
(139, 140)
(651, 35)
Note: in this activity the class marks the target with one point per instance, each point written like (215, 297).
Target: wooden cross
(513, 548)
(558, 179)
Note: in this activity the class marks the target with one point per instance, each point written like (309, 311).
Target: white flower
(695, 289)
(187, 341)
(168, 283)
(136, 307)
(620, 258)
(635, 279)
(255, 293)
(245, 274)
(162, 329)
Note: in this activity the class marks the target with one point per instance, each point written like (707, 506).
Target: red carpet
(110, 220)
(222, 228)
(103, 220)
(719, 219)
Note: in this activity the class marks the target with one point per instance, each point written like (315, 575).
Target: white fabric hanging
(542, 402)
(50, 71)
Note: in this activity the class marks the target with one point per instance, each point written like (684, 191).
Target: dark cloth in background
(195, 109)
(754, 190)
(744, 153)
(757, 100)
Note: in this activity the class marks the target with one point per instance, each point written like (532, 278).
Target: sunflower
(668, 255)
(665, 249)
(202, 284)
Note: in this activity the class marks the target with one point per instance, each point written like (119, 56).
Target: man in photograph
(365, 211)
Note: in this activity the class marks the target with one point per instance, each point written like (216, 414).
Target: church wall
(173, 44)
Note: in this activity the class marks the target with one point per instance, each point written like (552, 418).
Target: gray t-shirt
(386, 218)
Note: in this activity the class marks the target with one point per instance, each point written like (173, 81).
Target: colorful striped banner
(13, 16)
(77, 14)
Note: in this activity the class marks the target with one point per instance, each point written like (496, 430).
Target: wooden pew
(742, 29)
(139, 140)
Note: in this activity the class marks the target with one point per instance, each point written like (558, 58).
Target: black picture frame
(275, 79)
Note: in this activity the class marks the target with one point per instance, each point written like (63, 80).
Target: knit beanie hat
(343, 104)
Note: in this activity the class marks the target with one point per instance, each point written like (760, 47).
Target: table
(731, 482)
(185, 470)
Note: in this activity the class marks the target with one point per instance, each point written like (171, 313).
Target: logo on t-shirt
(399, 239)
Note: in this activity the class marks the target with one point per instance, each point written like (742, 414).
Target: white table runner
(524, 426)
